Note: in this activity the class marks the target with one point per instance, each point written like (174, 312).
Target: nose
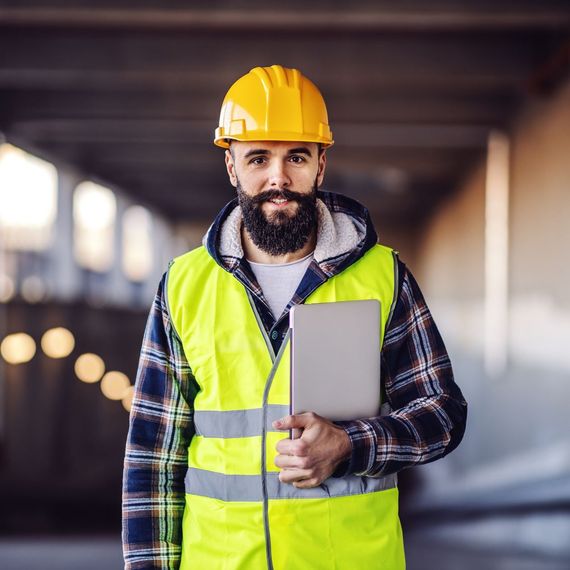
(278, 177)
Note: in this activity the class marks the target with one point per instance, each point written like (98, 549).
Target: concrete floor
(95, 553)
(61, 553)
(423, 556)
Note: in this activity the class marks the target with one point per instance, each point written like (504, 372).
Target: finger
(294, 421)
(292, 447)
(290, 462)
(293, 475)
(307, 483)
(285, 447)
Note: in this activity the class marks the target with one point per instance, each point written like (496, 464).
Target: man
(211, 479)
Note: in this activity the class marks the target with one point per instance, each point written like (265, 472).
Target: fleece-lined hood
(344, 233)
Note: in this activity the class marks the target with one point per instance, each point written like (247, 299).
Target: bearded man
(212, 480)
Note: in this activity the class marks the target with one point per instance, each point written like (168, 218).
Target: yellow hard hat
(273, 104)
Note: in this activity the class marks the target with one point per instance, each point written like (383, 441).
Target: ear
(322, 167)
(230, 167)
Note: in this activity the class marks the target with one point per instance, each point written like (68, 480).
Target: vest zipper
(264, 435)
(261, 327)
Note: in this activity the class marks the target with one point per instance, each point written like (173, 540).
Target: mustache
(281, 193)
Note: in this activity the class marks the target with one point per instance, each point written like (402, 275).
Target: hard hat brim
(224, 141)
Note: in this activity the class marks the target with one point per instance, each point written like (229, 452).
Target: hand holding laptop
(335, 375)
(306, 462)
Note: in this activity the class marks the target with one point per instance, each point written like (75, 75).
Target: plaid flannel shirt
(427, 421)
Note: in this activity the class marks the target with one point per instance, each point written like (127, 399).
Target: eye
(297, 159)
(258, 160)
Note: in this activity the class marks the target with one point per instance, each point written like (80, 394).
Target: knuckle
(305, 463)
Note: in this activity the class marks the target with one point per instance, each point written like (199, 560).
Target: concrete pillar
(64, 274)
(118, 290)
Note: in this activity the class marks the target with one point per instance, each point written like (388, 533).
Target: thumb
(291, 422)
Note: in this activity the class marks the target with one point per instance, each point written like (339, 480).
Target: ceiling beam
(388, 135)
(427, 106)
(205, 161)
(186, 81)
(356, 21)
(189, 64)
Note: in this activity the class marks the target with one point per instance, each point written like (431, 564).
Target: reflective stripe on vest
(248, 487)
(241, 423)
(238, 514)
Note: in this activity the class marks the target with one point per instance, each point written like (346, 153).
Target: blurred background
(452, 124)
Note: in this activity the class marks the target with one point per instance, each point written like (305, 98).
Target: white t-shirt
(279, 281)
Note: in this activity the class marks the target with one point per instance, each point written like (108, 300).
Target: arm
(429, 411)
(160, 430)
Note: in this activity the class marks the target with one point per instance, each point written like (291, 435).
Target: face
(276, 184)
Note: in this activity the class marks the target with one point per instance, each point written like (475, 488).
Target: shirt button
(274, 335)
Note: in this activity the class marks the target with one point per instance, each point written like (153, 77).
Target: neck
(253, 253)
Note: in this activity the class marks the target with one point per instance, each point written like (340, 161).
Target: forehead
(272, 147)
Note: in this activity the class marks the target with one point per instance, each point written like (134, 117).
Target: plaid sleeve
(429, 411)
(160, 429)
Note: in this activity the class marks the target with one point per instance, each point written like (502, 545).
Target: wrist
(343, 446)
(363, 446)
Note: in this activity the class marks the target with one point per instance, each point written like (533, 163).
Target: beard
(279, 232)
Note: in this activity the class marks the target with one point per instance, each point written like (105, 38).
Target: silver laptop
(335, 359)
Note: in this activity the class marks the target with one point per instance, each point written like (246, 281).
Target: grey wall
(519, 425)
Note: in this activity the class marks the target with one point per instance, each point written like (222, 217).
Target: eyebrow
(301, 150)
(255, 151)
(265, 152)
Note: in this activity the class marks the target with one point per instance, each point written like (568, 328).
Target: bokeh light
(128, 398)
(33, 289)
(94, 211)
(58, 342)
(114, 385)
(89, 367)
(137, 257)
(28, 194)
(18, 348)
(7, 288)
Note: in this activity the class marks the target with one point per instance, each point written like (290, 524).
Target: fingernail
(277, 423)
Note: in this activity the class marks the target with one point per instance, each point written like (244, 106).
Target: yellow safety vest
(238, 515)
